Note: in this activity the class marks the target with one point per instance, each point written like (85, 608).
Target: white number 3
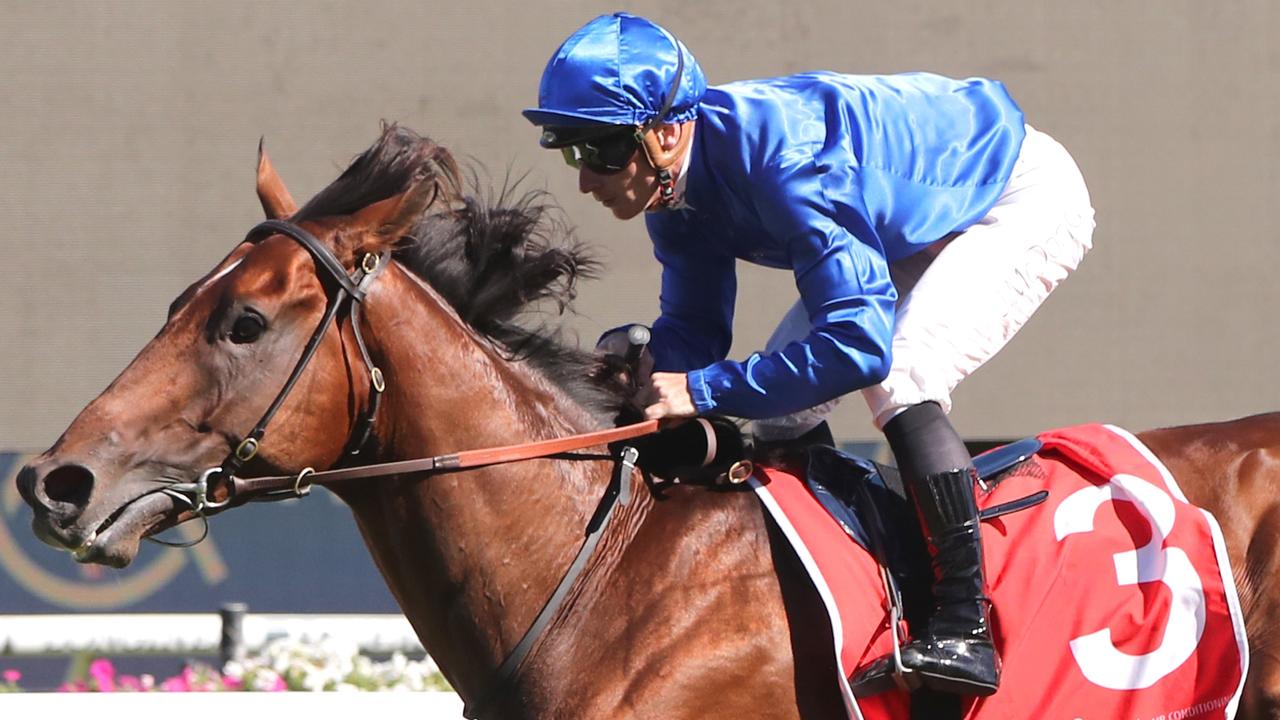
(1098, 657)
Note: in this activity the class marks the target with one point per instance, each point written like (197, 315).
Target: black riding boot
(955, 653)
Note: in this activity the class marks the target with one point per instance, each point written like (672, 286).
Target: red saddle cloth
(1113, 599)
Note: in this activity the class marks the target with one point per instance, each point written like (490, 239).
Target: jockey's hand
(671, 397)
(616, 343)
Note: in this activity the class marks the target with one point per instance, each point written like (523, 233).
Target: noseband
(351, 290)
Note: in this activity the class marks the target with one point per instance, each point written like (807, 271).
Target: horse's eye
(248, 328)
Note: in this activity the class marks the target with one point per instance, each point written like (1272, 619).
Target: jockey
(923, 222)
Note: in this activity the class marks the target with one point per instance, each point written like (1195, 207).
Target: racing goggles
(605, 154)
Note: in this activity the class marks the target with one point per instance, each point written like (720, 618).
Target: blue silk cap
(618, 69)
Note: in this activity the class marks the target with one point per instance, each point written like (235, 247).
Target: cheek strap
(662, 160)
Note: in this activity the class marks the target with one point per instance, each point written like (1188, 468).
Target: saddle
(867, 499)
(870, 502)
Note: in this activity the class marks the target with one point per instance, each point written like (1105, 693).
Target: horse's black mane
(497, 258)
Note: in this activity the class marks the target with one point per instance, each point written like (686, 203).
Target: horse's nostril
(69, 484)
(26, 481)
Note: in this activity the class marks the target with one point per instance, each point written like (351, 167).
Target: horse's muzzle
(59, 495)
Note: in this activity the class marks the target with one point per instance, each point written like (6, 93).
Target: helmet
(619, 69)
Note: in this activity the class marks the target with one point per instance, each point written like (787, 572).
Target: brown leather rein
(269, 488)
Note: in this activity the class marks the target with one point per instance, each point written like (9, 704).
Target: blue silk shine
(833, 177)
(617, 69)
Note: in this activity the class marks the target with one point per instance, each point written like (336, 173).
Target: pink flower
(279, 685)
(103, 674)
(197, 681)
(189, 679)
(11, 676)
(130, 683)
(230, 683)
(175, 684)
(77, 686)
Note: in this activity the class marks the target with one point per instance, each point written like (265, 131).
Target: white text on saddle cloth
(1096, 654)
(1112, 599)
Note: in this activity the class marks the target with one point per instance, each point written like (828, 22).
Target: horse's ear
(276, 201)
(394, 217)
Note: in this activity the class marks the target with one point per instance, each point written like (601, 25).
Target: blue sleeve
(843, 279)
(699, 286)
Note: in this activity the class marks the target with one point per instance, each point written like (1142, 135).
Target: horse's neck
(472, 556)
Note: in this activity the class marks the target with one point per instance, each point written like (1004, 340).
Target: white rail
(193, 634)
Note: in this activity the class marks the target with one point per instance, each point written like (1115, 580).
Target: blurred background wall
(128, 133)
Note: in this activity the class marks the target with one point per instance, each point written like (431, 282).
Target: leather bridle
(351, 289)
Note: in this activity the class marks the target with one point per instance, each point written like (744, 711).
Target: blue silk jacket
(833, 176)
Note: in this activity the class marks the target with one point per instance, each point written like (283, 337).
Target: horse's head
(230, 342)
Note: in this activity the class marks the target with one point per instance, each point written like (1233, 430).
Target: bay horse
(690, 607)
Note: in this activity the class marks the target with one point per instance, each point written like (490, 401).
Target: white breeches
(961, 299)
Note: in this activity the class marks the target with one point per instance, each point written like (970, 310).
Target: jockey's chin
(626, 193)
(625, 206)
